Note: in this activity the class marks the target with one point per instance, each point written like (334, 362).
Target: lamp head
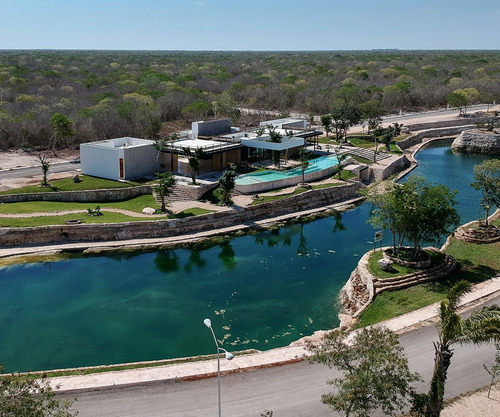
(229, 355)
(208, 323)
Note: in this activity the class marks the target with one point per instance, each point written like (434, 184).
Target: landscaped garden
(476, 263)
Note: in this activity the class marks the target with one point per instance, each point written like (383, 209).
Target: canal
(261, 290)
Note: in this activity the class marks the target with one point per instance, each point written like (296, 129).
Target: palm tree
(304, 155)
(193, 161)
(163, 188)
(340, 158)
(482, 326)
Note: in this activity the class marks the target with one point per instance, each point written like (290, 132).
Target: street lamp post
(228, 355)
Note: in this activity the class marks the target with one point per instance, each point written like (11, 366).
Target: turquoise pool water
(260, 291)
(318, 164)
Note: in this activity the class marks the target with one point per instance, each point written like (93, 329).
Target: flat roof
(126, 141)
(193, 144)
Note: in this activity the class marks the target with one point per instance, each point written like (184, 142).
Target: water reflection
(338, 225)
(302, 249)
(264, 290)
(227, 255)
(195, 259)
(167, 261)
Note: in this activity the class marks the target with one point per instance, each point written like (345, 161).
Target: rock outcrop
(477, 141)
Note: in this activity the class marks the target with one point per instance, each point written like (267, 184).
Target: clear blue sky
(249, 24)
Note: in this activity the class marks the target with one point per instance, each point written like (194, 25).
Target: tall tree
(62, 128)
(343, 119)
(163, 187)
(275, 137)
(326, 122)
(194, 160)
(415, 211)
(487, 180)
(375, 372)
(341, 157)
(482, 326)
(304, 155)
(227, 182)
(463, 99)
(372, 112)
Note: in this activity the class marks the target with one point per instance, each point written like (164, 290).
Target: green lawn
(476, 263)
(67, 184)
(107, 217)
(135, 204)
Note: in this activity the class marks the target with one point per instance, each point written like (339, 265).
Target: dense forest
(62, 98)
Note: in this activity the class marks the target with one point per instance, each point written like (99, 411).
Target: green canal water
(260, 291)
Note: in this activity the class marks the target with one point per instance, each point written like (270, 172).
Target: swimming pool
(268, 180)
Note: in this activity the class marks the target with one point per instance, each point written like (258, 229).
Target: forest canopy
(107, 94)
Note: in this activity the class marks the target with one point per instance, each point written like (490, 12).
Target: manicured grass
(375, 269)
(361, 143)
(395, 303)
(476, 263)
(402, 137)
(395, 149)
(268, 198)
(107, 217)
(195, 211)
(362, 160)
(67, 184)
(135, 204)
(326, 185)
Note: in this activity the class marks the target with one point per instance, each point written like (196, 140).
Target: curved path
(64, 212)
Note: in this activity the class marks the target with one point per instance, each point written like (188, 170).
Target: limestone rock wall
(431, 134)
(175, 227)
(398, 165)
(84, 196)
(477, 141)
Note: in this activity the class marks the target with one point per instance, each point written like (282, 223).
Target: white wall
(99, 161)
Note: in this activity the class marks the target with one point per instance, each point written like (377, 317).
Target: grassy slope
(476, 263)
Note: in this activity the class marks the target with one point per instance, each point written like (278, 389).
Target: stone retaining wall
(398, 165)
(361, 288)
(175, 227)
(429, 134)
(195, 192)
(460, 121)
(84, 196)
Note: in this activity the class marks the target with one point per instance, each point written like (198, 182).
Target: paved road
(291, 390)
(34, 171)
(448, 114)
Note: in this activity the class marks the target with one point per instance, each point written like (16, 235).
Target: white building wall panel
(100, 162)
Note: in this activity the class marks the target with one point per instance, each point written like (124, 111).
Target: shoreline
(152, 244)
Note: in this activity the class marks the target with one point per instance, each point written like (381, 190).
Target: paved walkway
(275, 357)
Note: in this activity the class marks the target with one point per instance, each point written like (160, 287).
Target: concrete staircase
(363, 153)
(178, 194)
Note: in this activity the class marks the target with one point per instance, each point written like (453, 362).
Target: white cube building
(119, 159)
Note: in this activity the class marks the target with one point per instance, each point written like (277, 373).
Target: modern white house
(118, 159)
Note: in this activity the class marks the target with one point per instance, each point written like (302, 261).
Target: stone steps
(368, 154)
(426, 275)
(177, 194)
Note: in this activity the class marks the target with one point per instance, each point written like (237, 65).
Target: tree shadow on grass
(466, 270)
